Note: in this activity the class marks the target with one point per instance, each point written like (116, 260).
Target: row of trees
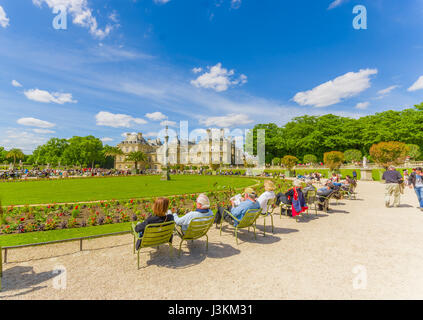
(383, 153)
(77, 151)
(313, 135)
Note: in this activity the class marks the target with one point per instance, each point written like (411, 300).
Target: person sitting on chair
(249, 202)
(161, 215)
(202, 211)
(267, 195)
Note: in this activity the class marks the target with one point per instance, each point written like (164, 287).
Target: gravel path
(360, 250)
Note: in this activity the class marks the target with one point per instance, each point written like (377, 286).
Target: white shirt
(264, 198)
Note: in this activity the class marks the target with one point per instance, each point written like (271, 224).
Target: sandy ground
(360, 250)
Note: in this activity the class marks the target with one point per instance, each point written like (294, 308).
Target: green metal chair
(198, 228)
(269, 212)
(155, 235)
(247, 221)
(312, 201)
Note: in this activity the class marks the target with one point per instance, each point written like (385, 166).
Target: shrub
(389, 153)
(310, 158)
(333, 160)
(276, 161)
(289, 162)
(413, 151)
(353, 155)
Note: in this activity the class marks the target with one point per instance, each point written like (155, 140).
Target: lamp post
(165, 173)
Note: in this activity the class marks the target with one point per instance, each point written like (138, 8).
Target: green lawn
(18, 239)
(122, 188)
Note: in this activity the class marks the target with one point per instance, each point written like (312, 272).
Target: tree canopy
(319, 134)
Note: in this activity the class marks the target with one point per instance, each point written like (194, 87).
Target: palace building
(214, 148)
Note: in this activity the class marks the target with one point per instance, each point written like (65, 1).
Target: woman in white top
(269, 193)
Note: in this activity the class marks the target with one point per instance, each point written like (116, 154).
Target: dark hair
(160, 206)
(419, 169)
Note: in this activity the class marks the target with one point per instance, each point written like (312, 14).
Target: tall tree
(136, 157)
(15, 154)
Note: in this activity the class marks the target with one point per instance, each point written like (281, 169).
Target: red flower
(7, 227)
(76, 207)
(22, 219)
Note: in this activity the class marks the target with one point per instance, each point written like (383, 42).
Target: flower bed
(24, 219)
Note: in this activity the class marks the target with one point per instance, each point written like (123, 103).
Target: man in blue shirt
(416, 181)
(203, 210)
(249, 202)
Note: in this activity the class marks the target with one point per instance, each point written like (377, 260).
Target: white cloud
(24, 140)
(156, 116)
(332, 92)
(218, 79)
(16, 84)
(418, 85)
(197, 70)
(106, 139)
(104, 118)
(235, 4)
(81, 14)
(335, 4)
(387, 90)
(43, 131)
(114, 17)
(227, 121)
(47, 97)
(33, 122)
(168, 123)
(151, 134)
(4, 20)
(362, 105)
(161, 1)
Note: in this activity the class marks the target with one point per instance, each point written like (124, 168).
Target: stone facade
(136, 142)
(213, 149)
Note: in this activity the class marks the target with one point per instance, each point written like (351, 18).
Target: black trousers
(222, 214)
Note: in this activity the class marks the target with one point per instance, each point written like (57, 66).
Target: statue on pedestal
(364, 162)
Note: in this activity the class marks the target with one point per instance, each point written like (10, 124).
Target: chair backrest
(198, 227)
(311, 196)
(249, 218)
(157, 233)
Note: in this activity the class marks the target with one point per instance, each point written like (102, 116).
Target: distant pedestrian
(393, 179)
(354, 173)
(416, 180)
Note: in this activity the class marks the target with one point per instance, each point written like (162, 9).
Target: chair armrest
(228, 212)
(136, 234)
(180, 232)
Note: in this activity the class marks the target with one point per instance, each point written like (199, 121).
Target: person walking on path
(416, 180)
(393, 179)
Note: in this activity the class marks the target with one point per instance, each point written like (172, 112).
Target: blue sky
(131, 65)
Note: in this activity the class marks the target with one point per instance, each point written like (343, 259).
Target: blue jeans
(419, 192)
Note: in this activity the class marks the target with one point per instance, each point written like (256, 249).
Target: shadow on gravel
(192, 254)
(20, 278)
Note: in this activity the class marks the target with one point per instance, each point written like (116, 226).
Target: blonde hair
(269, 185)
(160, 207)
